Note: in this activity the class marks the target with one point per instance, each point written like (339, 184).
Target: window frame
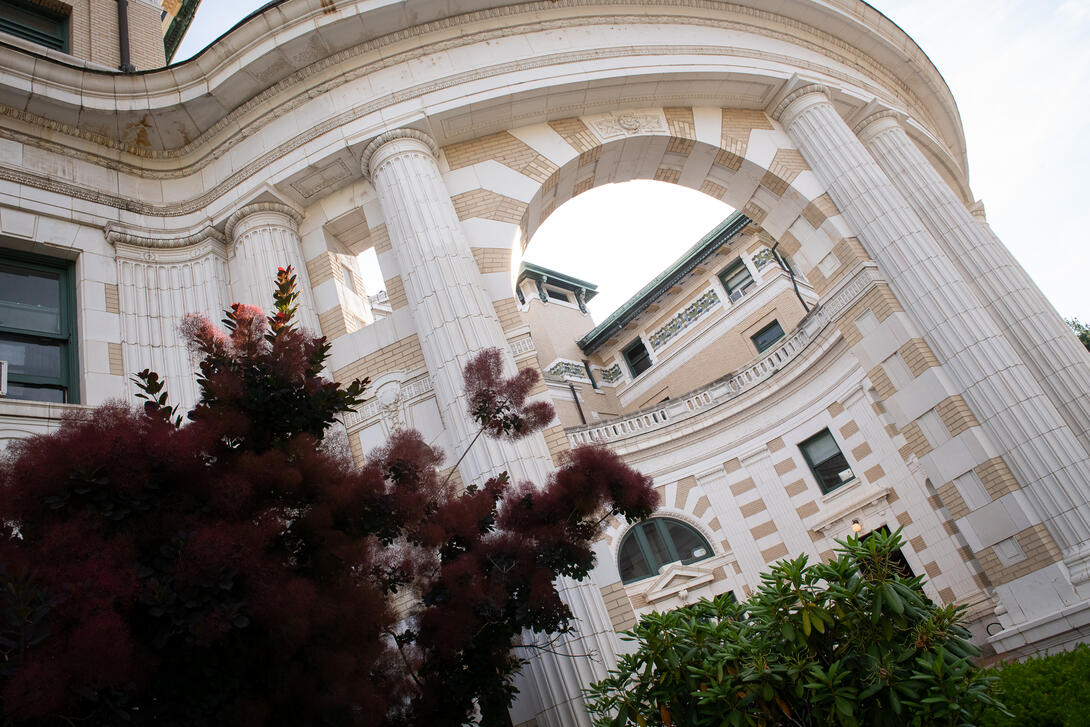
(731, 269)
(67, 337)
(637, 532)
(63, 37)
(814, 465)
(558, 295)
(771, 343)
(628, 359)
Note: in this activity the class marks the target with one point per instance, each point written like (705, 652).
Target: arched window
(656, 542)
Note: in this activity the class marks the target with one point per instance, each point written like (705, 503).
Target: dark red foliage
(500, 404)
(235, 571)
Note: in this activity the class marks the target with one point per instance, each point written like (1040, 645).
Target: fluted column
(160, 281)
(265, 236)
(454, 320)
(1047, 458)
(1032, 326)
(447, 299)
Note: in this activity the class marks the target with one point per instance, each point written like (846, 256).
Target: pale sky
(1019, 71)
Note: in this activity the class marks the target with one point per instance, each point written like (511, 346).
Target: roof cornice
(637, 304)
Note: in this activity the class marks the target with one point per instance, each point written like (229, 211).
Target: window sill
(37, 409)
(836, 493)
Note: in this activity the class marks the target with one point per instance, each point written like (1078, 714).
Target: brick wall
(619, 607)
(93, 32)
(404, 354)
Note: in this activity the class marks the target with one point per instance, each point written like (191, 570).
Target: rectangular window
(555, 294)
(37, 328)
(736, 280)
(34, 23)
(349, 279)
(827, 463)
(637, 357)
(764, 338)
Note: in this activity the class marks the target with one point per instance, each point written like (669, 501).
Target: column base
(1078, 567)
(1059, 631)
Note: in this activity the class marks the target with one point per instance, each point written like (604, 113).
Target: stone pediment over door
(680, 581)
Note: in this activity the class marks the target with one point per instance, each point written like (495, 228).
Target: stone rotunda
(855, 346)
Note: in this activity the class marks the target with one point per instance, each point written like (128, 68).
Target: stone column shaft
(1013, 409)
(1038, 334)
(454, 320)
(447, 299)
(264, 237)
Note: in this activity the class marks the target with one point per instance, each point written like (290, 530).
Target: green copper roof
(560, 280)
(670, 277)
(178, 27)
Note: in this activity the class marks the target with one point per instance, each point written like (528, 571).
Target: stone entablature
(212, 142)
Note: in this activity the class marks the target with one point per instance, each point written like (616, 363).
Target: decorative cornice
(270, 104)
(250, 209)
(754, 20)
(860, 129)
(116, 236)
(178, 27)
(798, 93)
(388, 136)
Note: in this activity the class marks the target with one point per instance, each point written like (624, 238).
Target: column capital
(292, 215)
(819, 91)
(368, 159)
(874, 124)
(117, 235)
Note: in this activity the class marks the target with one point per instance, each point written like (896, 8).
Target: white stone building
(910, 375)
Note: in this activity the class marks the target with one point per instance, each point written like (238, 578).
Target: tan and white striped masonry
(988, 373)
(1032, 326)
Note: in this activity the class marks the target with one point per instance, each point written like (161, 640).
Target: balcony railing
(738, 382)
(717, 392)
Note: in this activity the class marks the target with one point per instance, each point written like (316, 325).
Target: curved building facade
(854, 348)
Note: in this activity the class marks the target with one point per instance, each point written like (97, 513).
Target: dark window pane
(689, 545)
(767, 336)
(828, 463)
(820, 447)
(34, 23)
(833, 472)
(736, 279)
(631, 562)
(26, 392)
(30, 299)
(30, 357)
(659, 552)
(639, 360)
(557, 295)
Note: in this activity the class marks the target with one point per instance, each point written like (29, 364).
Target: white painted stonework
(442, 134)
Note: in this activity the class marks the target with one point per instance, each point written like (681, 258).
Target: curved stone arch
(517, 178)
(760, 191)
(230, 140)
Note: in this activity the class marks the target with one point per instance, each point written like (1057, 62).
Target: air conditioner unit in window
(736, 295)
(3, 378)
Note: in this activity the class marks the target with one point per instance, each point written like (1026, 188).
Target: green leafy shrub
(1044, 691)
(850, 642)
